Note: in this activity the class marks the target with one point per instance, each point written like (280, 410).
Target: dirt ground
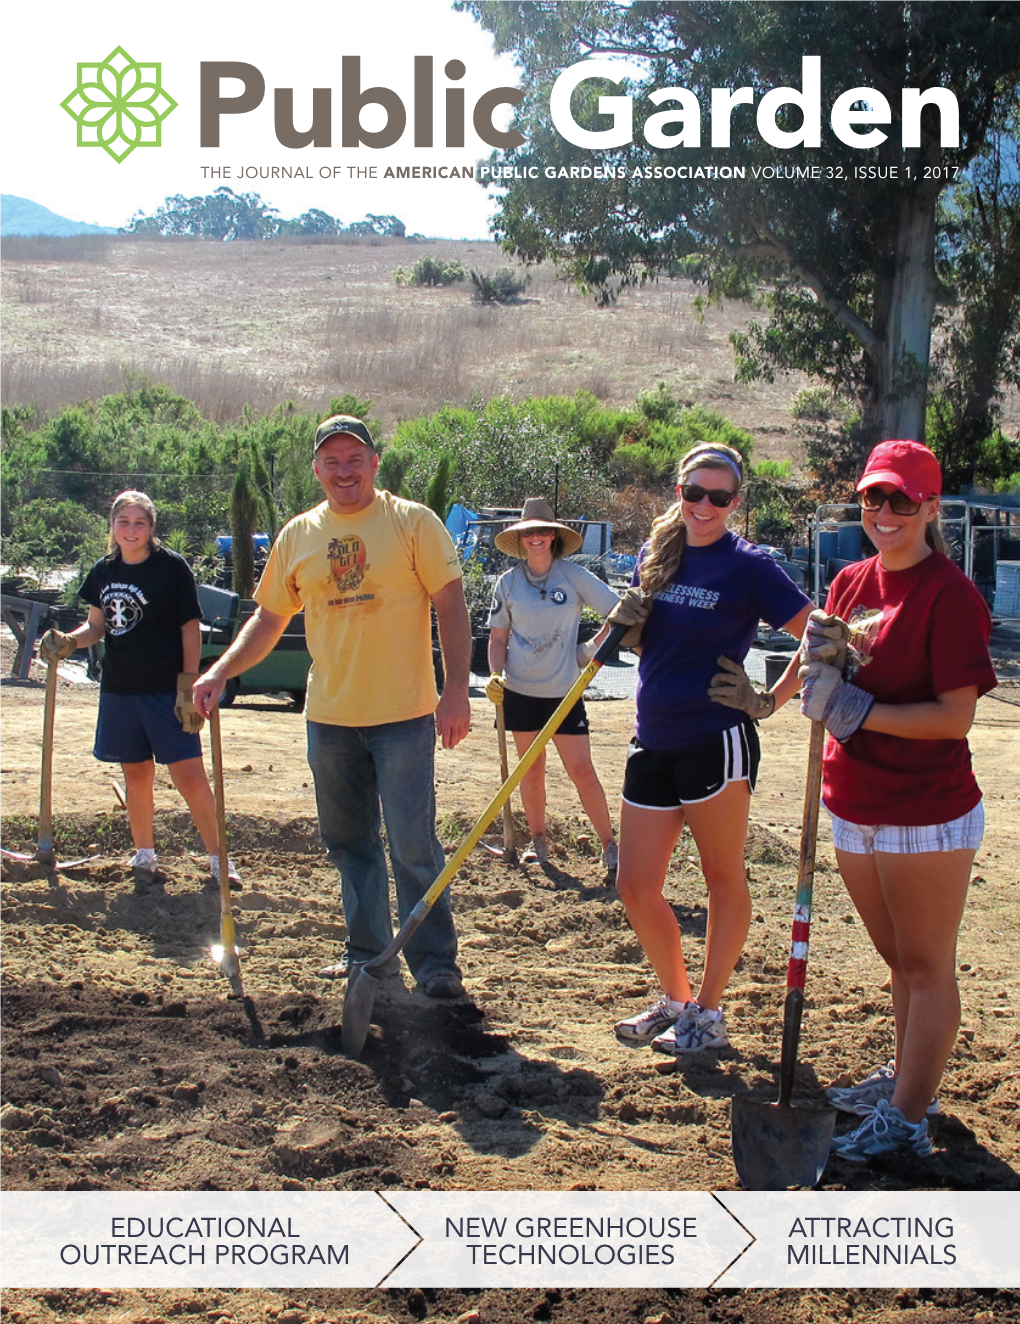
(126, 1067)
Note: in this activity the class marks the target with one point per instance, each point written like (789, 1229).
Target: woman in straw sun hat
(894, 668)
(534, 658)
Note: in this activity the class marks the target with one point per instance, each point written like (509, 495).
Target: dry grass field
(259, 323)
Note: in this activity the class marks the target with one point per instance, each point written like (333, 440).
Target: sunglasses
(873, 499)
(718, 496)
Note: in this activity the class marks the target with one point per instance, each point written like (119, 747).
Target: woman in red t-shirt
(894, 669)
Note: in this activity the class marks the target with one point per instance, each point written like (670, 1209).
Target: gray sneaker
(693, 1031)
(538, 851)
(642, 1029)
(143, 859)
(861, 1099)
(884, 1130)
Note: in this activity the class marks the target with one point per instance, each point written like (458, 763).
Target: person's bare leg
(925, 896)
(139, 779)
(647, 839)
(190, 779)
(719, 829)
(860, 877)
(575, 751)
(532, 786)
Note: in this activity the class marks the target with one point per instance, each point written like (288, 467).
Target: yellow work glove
(184, 709)
(494, 687)
(55, 645)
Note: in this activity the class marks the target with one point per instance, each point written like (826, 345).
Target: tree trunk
(904, 306)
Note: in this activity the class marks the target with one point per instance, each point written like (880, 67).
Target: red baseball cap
(908, 465)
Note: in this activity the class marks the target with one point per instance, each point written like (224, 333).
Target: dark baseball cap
(336, 425)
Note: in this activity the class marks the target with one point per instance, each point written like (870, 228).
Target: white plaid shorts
(864, 839)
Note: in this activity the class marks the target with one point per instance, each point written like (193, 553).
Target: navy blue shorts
(525, 712)
(133, 728)
(672, 778)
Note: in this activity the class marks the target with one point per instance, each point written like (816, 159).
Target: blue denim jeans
(355, 770)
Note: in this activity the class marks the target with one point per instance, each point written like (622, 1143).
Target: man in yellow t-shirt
(366, 567)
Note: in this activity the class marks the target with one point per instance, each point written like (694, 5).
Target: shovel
(776, 1146)
(363, 985)
(226, 954)
(44, 833)
(508, 853)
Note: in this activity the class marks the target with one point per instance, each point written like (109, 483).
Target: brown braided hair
(669, 533)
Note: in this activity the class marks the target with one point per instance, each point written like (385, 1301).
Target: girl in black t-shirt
(144, 604)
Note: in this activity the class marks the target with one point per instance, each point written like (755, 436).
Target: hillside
(19, 216)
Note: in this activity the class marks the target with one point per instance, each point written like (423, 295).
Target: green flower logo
(119, 104)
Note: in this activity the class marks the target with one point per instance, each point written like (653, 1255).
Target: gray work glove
(732, 688)
(825, 697)
(495, 686)
(55, 645)
(184, 709)
(632, 610)
(826, 639)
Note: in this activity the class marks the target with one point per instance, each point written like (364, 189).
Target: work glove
(632, 610)
(732, 688)
(495, 686)
(184, 709)
(825, 697)
(55, 645)
(826, 639)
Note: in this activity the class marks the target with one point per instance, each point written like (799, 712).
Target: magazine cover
(511, 635)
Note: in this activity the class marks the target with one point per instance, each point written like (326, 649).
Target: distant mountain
(19, 216)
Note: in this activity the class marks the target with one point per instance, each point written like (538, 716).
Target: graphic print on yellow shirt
(365, 582)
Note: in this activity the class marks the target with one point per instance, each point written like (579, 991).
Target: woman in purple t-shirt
(695, 753)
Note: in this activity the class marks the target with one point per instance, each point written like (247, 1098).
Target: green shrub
(818, 404)
(430, 271)
(500, 286)
(652, 455)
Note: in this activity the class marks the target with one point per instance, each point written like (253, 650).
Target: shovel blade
(357, 1013)
(776, 1146)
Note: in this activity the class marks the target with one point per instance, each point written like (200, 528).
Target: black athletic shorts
(671, 778)
(525, 712)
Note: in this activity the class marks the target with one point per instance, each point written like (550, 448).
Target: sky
(44, 43)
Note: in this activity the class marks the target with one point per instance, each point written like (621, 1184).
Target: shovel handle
(509, 846)
(796, 970)
(44, 838)
(216, 744)
(607, 648)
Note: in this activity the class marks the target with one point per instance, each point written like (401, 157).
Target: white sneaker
(233, 877)
(693, 1031)
(145, 859)
(611, 856)
(642, 1028)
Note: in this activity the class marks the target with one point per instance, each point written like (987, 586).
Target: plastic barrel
(1007, 589)
(849, 539)
(828, 544)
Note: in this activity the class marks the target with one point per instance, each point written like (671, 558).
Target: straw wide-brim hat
(536, 514)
